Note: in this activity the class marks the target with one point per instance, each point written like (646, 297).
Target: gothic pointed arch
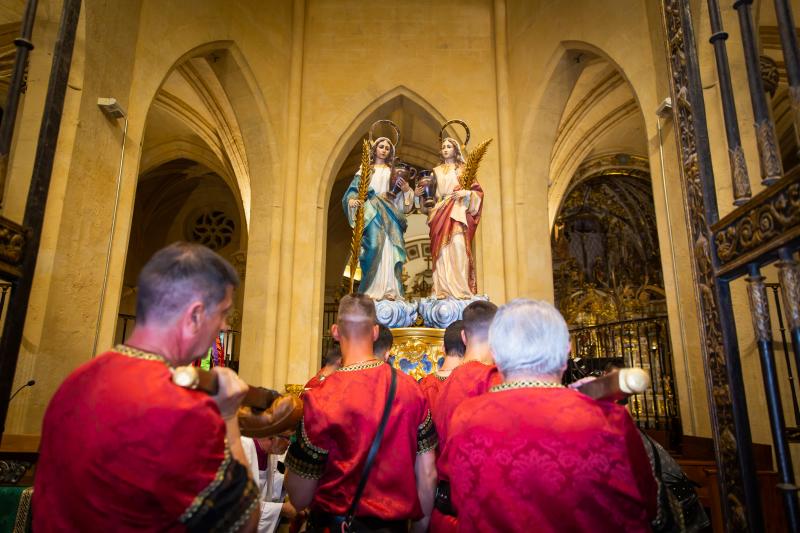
(419, 122)
(379, 108)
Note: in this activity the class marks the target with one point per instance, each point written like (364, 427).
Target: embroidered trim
(305, 459)
(426, 421)
(526, 384)
(441, 378)
(218, 477)
(361, 366)
(23, 518)
(227, 502)
(427, 439)
(249, 511)
(140, 354)
(303, 468)
(307, 442)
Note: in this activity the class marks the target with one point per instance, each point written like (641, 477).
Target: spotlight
(111, 107)
(665, 108)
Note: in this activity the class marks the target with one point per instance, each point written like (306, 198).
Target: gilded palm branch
(358, 227)
(473, 162)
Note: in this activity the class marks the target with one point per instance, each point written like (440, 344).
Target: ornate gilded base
(441, 313)
(417, 351)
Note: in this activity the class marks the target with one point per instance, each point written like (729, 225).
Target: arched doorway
(194, 183)
(419, 124)
(607, 268)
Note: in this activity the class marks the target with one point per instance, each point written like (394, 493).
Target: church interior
(643, 177)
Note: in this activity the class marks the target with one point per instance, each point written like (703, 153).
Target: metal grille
(642, 343)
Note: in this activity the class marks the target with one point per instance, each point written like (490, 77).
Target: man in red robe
(454, 355)
(125, 449)
(532, 454)
(472, 378)
(340, 420)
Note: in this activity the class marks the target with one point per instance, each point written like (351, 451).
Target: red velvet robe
(340, 420)
(548, 460)
(468, 380)
(442, 227)
(431, 385)
(316, 381)
(125, 449)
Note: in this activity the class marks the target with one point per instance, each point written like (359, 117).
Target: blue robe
(382, 218)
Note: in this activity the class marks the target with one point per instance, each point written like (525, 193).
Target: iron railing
(329, 313)
(642, 343)
(230, 339)
(775, 293)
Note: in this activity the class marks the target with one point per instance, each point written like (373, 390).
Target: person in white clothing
(265, 457)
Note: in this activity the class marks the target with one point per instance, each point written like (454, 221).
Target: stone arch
(540, 127)
(179, 149)
(227, 85)
(230, 89)
(358, 128)
(379, 108)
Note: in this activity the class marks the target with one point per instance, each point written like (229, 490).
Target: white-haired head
(529, 337)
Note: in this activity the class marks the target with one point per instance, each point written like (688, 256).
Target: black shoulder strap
(656, 458)
(373, 450)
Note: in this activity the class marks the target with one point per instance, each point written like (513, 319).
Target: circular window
(213, 229)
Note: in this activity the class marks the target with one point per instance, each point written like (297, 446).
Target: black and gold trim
(361, 366)
(305, 459)
(427, 439)
(526, 384)
(226, 503)
(139, 354)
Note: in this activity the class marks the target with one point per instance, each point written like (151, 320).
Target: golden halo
(460, 123)
(391, 125)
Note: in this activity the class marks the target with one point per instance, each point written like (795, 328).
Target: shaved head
(356, 316)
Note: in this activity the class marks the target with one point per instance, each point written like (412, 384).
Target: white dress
(451, 271)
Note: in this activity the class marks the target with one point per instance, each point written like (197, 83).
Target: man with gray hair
(124, 448)
(532, 453)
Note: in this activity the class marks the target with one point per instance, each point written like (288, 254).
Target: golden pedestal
(417, 351)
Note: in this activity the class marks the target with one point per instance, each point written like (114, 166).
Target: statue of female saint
(383, 251)
(452, 222)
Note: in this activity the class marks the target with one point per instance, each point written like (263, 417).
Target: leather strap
(373, 450)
